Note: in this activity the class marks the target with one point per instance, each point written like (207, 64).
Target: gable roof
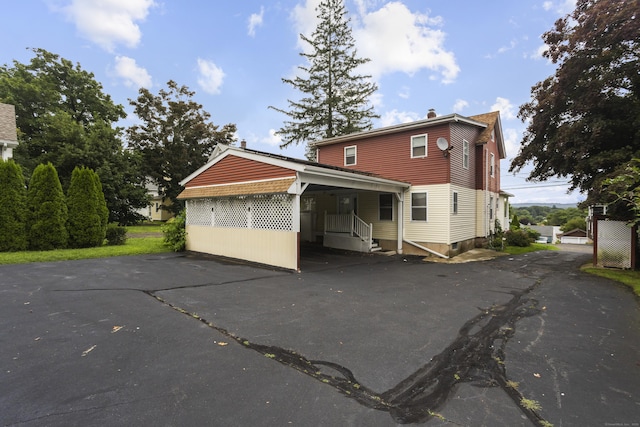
(438, 120)
(492, 120)
(303, 173)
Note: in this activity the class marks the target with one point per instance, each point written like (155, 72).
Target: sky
(466, 57)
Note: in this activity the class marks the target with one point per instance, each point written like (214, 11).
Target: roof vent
(431, 114)
(243, 144)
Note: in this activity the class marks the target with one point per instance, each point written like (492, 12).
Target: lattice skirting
(614, 244)
(268, 212)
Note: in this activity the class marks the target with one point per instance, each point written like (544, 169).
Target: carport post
(400, 197)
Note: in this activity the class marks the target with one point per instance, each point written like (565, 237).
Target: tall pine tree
(13, 207)
(336, 97)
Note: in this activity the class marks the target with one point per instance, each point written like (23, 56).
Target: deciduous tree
(64, 117)
(584, 121)
(335, 97)
(175, 137)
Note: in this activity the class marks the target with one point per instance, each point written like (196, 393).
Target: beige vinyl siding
(484, 225)
(272, 247)
(324, 202)
(436, 228)
(463, 224)
(368, 211)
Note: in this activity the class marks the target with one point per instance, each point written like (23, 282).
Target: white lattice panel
(614, 244)
(268, 212)
(272, 212)
(199, 212)
(231, 212)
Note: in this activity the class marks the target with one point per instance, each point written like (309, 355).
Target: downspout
(431, 251)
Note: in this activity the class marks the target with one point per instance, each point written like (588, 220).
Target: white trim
(426, 207)
(467, 157)
(355, 155)
(426, 143)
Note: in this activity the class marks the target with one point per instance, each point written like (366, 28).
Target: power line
(558, 184)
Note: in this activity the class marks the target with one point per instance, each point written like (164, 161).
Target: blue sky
(464, 56)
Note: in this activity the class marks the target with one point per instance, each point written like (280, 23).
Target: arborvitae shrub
(84, 222)
(13, 207)
(46, 210)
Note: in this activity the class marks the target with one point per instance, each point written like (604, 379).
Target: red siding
(483, 161)
(236, 169)
(390, 156)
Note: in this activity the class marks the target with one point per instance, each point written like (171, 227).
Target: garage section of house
(257, 206)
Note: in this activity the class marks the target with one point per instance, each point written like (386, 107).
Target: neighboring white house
(575, 236)
(8, 133)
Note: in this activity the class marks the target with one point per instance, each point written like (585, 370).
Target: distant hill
(557, 205)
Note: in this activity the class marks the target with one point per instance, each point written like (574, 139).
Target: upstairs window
(350, 155)
(465, 154)
(492, 166)
(418, 206)
(419, 146)
(385, 205)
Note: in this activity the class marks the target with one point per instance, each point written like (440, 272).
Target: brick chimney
(431, 114)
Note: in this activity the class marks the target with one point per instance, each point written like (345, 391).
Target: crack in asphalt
(476, 356)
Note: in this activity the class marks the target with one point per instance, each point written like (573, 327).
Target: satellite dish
(442, 144)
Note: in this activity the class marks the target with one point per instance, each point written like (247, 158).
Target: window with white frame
(419, 206)
(350, 155)
(385, 207)
(465, 154)
(492, 166)
(491, 207)
(419, 146)
(454, 203)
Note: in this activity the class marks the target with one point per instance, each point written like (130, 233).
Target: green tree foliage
(584, 120)
(175, 137)
(335, 97)
(626, 189)
(573, 223)
(515, 223)
(13, 208)
(46, 210)
(63, 117)
(175, 234)
(562, 216)
(87, 222)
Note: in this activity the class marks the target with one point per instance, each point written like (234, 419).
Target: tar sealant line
(476, 356)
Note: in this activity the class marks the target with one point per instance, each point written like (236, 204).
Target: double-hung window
(492, 166)
(350, 155)
(385, 207)
(419, 146)
(418, 206)
(465, 154)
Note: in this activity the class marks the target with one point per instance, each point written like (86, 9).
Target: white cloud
(538, 54)
(395, 39)
(460, 105)
(133, 75)
(109, 22)
(561, 7)
(506, 108)
(255, 20)
(211, 76)
(394, 117)
(273, 139)
(511, 142)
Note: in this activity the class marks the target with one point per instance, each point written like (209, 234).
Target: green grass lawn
(142, 229)
(630, 278)
(517, 250)
(133, 246)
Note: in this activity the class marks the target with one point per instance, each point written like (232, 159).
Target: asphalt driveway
(354, 340)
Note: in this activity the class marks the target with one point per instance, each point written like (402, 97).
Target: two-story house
(425, 187)
(8, 134)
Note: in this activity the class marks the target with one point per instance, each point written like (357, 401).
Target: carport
(246, 204)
